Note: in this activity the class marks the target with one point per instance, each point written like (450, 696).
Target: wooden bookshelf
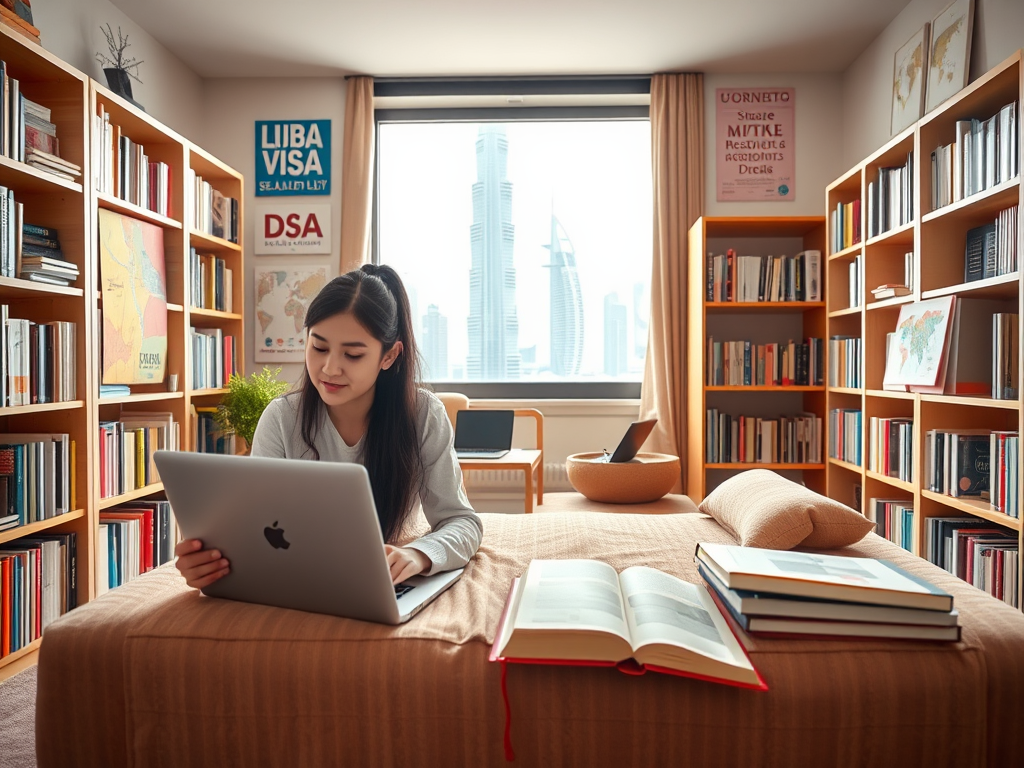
(937, 239)
(73, 208)
(757, 322)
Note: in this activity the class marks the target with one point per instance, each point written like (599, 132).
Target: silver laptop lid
(298, 534)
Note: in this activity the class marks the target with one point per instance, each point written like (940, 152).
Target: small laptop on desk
(484, 433)
(298, 534)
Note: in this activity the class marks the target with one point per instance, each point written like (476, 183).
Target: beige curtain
(677, 154)
(357, 174)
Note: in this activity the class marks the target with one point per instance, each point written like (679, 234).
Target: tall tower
(435, 344)
(641, 314)
(614, 335)
(566, 304)
(493, 326)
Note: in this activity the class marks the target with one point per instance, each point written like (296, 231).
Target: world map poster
(133, 280)
(282, 298)
(918, 350)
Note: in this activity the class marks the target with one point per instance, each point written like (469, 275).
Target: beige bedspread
(154, 674)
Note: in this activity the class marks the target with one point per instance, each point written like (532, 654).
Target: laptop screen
(483, 430)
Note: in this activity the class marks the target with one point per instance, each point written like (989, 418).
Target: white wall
(998, 32)
(170, 91)
(232, 106)
(818, 142)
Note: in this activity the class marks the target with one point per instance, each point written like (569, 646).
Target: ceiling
(395, 38)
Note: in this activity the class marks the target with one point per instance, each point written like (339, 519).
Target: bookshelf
(760, 323)
(936, 237)
(73, 209)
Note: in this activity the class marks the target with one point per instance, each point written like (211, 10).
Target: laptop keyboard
(401, 589)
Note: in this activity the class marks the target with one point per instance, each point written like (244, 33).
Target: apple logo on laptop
(276, 537)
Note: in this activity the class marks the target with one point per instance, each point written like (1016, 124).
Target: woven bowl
(647, 477)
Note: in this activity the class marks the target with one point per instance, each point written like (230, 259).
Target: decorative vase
(120, 82)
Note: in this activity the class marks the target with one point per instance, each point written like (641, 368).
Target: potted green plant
(247, 398)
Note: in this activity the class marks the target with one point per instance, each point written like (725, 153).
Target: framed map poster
(283, 294)
(908, 81)
(918, 349)
(133, 281)
(949, 54)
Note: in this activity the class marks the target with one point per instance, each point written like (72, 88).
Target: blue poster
(293, 157)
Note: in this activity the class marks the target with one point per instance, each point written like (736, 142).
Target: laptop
(630, 443)
(484, 433)
(298, 534)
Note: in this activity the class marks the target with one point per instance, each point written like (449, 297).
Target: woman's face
(343, 359)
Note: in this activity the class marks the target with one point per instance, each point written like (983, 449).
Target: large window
(526, 248)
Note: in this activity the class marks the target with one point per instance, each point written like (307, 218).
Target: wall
(818, 142)
(998, 32)
(232, 106)
(170, 91)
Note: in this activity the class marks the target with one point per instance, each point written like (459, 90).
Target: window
(526, 248)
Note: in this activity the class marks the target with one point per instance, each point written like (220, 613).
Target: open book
(583, 612)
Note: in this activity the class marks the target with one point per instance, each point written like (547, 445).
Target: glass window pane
(525, 246)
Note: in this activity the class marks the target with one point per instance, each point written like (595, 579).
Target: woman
(358, 401)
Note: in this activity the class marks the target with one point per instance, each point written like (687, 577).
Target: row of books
(213, 358)
(731, 277)
(1003, 452)
(30, 251)
(844, 225)
(980, 552)
(211, 282)
(983, 154)
(894, 520)
(890, 200)
(752, 439)
(124, 170)
(956, 461)
(210, 211)
(210, 437)
(845, 354)
(742, 363)
(37, 360)
(856, 281)
(126, 449)
(891, 447)
(37, 477)
(38, 584)
(844, 425)
(991, 249)
(28, 136)
(802, 593)
(134, 538)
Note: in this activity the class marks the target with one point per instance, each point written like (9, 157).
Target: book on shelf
(956, 461)
(827, 577)
(856, 283)
(731, 277)
(582, 612)
(779, 615)
(890, 442)
(1002, 478)
(891, 290)
(893, 519)
(980, 552)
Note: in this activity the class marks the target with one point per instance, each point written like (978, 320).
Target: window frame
(408, 89)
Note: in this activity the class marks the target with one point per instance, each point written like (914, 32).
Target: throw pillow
(763, 509)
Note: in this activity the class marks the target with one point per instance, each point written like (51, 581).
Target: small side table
(518, 458)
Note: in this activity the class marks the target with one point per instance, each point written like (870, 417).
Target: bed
(154, 674)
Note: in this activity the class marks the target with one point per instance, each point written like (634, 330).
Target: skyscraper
(641, 317)
(566, 304)
(614, 335)
(493, 327)
(434, 344)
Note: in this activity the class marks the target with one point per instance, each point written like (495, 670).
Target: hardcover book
(827, 577)
(583, 612)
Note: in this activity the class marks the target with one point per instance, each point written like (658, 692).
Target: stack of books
(42, 259)
(790, 593)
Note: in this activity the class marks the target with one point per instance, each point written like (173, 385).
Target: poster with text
(283, 294)
(293, 157)
(754, 144)
(292, 228)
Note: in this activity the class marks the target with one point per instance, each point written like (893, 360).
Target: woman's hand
(200, 567)
(405, 562)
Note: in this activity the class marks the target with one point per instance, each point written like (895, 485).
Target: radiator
(485, 480)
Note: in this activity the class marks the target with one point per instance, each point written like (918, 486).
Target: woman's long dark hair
(376, 298)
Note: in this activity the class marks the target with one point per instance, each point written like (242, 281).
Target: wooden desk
(529, 461)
